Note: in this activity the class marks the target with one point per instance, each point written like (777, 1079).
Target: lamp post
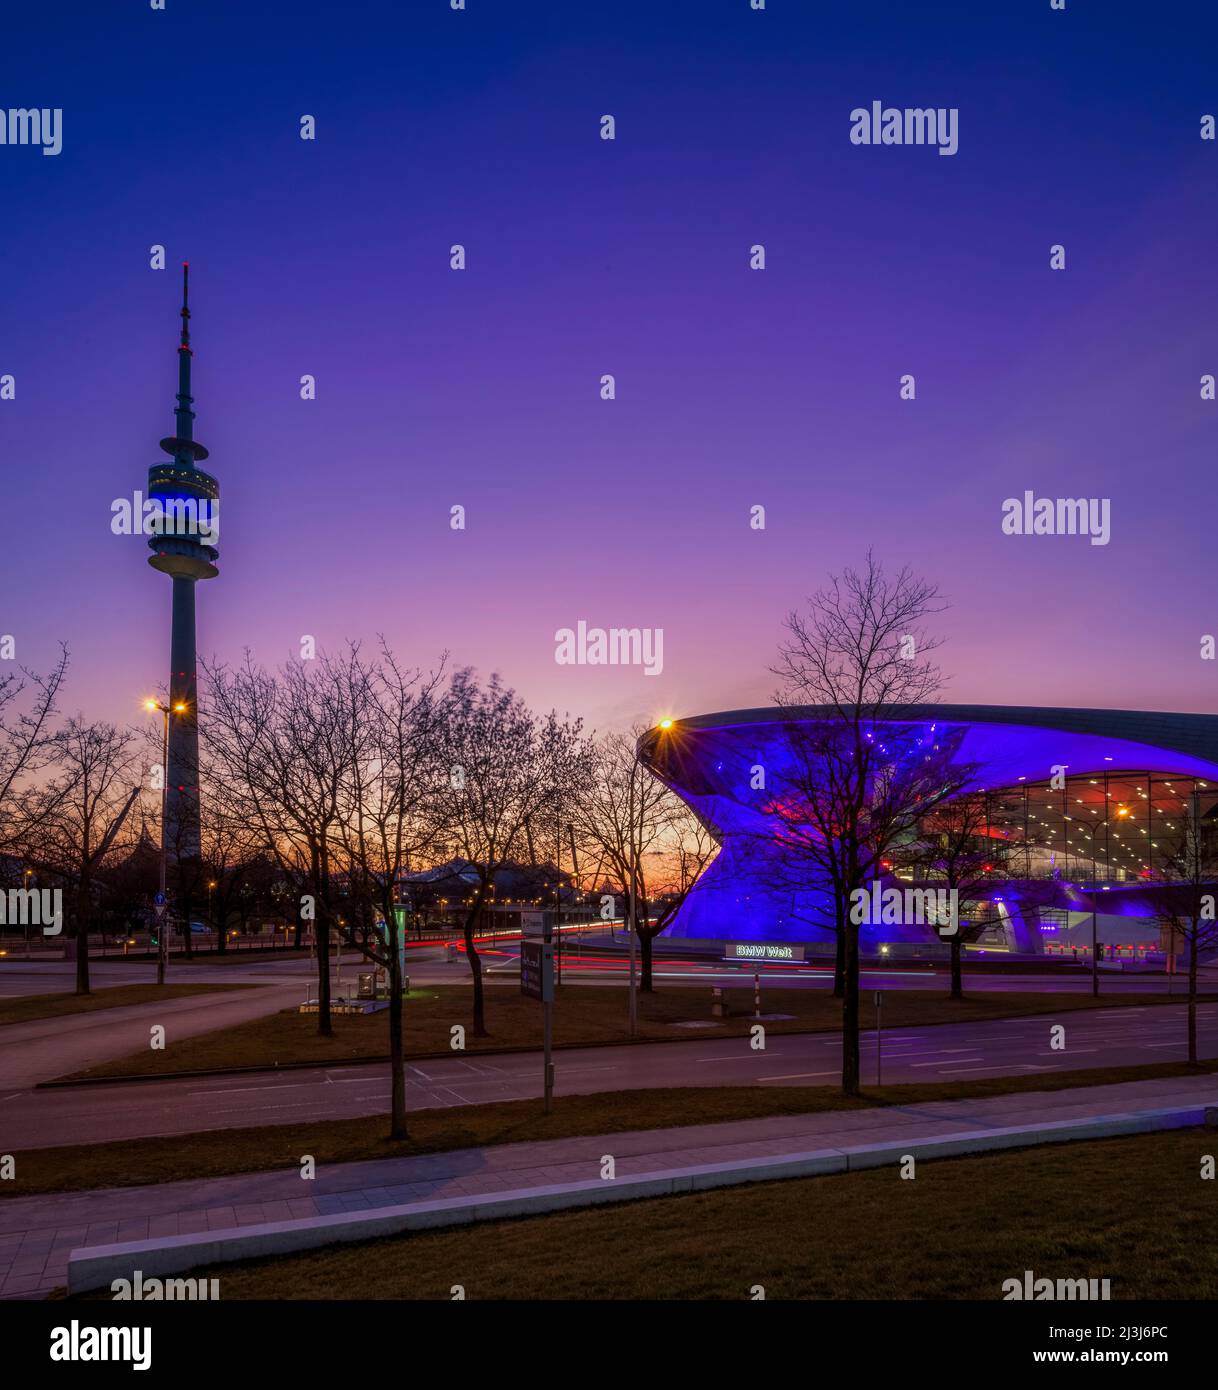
(162, 934)
(29, 873)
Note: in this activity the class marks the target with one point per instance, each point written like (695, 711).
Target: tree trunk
(475, 966)
(1192, 994)
(321, 936)
(397, 1061)
(850, 1010)
(957, 982)
(645, 955)
(82, 937)
(321, 929)
(839, 962)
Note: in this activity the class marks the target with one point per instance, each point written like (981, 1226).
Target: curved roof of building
(1193, 734)
(1003, 744)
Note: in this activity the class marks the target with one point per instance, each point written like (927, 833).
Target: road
(946, 1052)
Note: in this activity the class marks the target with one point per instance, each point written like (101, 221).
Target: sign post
(158, 908)
(537, 982)
(879, 998)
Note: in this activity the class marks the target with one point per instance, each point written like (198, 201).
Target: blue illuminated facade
(1085, 803)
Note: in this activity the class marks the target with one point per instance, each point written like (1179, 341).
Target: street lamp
(29, 873)
(162, 944)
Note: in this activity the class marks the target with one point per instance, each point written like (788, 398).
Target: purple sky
(734, 387)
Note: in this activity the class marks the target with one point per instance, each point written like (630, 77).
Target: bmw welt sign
(763, 950)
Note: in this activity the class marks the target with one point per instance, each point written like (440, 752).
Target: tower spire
(185, 305)
(181, 445)
(184, 417)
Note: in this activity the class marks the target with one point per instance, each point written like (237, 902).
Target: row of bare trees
(68, 791)
(323, 784)
(353, 771)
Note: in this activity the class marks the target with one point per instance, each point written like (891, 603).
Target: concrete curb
(96, 1266)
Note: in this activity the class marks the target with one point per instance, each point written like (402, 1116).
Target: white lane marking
(797, 1075)
(1009, 1066)
(978, 1058)
(735, 1057)
(930, 1052)
(252, 1090)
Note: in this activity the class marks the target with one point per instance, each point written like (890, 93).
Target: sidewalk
(37, 1234)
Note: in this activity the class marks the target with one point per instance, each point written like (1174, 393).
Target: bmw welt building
(1088, 811)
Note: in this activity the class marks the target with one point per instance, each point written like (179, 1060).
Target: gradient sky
(734, 387)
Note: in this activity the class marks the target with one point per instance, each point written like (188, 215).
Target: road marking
(978, 1058)
(735, 1057)
(251, 1090)
(930, 1052)
(799, 1075)
(1007, 1066)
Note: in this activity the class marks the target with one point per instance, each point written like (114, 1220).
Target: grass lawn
(1134, 1211)
(137, 1162)
(26, 1008)
(582, 1014)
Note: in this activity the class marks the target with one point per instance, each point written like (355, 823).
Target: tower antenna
(185, 305)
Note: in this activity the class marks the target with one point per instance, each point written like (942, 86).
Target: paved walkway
(38, 1233)
(45, 1048)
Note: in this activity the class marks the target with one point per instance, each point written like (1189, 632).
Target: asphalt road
(1011, 1047)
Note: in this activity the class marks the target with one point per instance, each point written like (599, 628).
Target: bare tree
(955, 847)
(852, 668)
(503, 766)
(279, 745)
(26, 745)
(333, 764)
(654, 845)
(88, 800)
(231, 855)
(385, 820)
